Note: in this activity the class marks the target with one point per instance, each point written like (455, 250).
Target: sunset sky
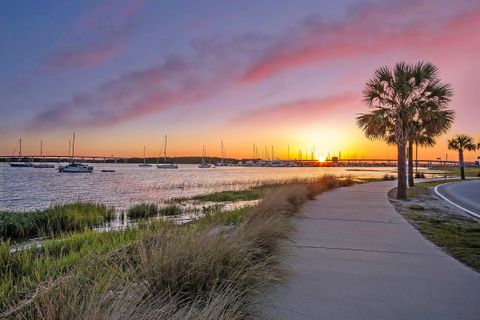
(122, 73)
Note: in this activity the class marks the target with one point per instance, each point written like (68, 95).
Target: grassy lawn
(442, 224)
(459, 236)
(469, 171)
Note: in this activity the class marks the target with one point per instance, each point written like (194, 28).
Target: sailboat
(19, 164)
(144, 164)
(42, 164)
(204, 164)
(222, 163)
(165, 164)
(74, 167)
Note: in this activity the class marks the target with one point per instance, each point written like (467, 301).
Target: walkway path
(356, 258)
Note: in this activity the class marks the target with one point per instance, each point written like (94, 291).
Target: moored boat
(20, 164)
(43, 164)
(204, 164)
(144, 164)
(75, 167)
(165, 164)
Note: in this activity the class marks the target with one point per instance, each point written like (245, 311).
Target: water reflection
(32, 189)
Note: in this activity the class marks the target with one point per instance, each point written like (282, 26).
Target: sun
(322, 158)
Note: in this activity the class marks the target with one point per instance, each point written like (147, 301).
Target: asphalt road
(465, 194)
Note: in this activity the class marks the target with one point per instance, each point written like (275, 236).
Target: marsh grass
(60, 218)
(260, 190)
(170, 210)
(214, 268)
(142, 210)
(237, 195)
(148, 210)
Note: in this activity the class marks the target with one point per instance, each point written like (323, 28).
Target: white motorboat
(42, 164)
(165, 164)
(74, 167)
(20, 164)
(144, 164)
(204, 164)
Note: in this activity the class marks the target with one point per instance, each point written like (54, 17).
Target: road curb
(476, 215)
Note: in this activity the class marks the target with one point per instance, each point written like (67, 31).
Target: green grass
(455, 171)
(24, 270)
(170, 210)
(258, 192)
(148, 210)
(457, 235)
(230, 196)
(52, 221)
(142, 210)
(214, 268)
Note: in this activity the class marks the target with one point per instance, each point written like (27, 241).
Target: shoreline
(257, 224)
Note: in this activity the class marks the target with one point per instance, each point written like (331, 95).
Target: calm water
(31, 189)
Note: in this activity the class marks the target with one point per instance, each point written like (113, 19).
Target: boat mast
(223, 153)
(73, 148)
(20, 151)
(144, 157)
(165, 150)
(41, 150)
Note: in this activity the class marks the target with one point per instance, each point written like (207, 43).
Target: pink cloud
(100, 35)
(88, 56)
(176, 83)
(369, 31)
(299, 111)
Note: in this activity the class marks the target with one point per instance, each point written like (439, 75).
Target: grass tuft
(170, 210)
(148, 210)
(52, 221)
(142, 210)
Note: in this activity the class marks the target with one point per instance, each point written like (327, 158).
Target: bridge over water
(329, 162)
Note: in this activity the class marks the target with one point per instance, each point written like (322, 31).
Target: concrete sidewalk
(356, 258)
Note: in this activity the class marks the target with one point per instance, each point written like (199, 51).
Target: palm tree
(403, 99)
(432, 122)
(462, 142)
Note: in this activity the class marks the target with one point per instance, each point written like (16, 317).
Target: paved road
(465, 194)
(356, 258)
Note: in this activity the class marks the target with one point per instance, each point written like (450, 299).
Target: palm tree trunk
(411, 182)
(402, 174)
(462, 169)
